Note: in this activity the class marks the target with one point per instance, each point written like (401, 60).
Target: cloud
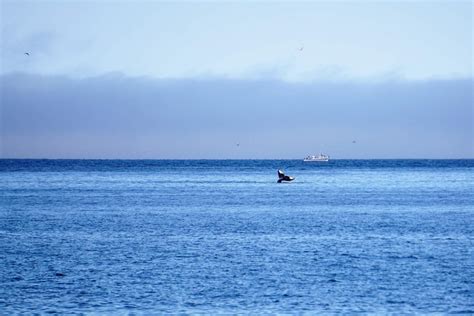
(115, 116)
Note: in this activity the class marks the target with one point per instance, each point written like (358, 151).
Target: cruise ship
(319, 158)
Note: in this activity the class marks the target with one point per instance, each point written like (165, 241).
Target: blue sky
(340, 40)
(398, 78)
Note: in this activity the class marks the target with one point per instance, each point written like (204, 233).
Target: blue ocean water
(204, 236)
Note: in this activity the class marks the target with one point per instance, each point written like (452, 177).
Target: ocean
(222, 237)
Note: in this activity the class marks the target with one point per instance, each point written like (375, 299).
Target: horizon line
(227, 159)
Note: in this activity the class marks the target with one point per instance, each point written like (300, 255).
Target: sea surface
(222, 237)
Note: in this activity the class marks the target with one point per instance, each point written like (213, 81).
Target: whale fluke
(283, 177)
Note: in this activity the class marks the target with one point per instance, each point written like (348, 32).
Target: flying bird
(301, 48)
(27, 54)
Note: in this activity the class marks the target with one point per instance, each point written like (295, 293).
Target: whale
(282, 177)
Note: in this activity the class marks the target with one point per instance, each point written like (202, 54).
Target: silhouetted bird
(27, 54)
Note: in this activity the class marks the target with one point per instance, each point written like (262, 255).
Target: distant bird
(27, 54)
(282, 177)
(238, 145)
(301, 48)
(353, 141)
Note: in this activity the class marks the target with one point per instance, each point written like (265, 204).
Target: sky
(165, 80)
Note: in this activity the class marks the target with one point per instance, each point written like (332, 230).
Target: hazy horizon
(245, 80)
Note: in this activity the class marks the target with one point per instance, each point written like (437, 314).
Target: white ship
(319, 158)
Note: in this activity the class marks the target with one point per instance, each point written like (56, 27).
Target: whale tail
(283, 177)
